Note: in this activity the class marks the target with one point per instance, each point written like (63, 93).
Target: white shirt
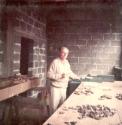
(56, 69)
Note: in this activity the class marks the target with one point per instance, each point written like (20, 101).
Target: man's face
(64, 54)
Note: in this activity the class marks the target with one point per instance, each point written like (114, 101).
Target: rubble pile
(12, 80)
(18, 78)
(95, 112)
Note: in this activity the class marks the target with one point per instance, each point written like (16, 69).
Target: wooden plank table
(67, 113)
(16, 89)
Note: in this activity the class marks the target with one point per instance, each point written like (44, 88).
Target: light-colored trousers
(57, 97)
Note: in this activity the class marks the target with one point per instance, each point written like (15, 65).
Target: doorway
(26, 53)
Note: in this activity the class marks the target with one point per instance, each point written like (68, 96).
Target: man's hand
(63, 75)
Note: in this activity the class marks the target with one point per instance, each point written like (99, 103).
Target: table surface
(67, 114)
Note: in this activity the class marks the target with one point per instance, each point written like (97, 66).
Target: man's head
(64, 51)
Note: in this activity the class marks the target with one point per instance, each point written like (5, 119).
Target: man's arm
(72, 74)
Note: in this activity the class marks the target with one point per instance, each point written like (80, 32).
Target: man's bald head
(64, 51)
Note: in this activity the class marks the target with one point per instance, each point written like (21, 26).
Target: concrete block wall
(2, 35)
(1, 53)
(120, 25)
(91, 32)
(25, 21)
(34, 25)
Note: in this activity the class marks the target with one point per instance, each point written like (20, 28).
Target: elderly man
(59, 73)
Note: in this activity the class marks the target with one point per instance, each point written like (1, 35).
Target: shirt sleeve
(52, 73)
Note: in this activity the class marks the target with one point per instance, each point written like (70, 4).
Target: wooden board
(13, 90)
(68, 113)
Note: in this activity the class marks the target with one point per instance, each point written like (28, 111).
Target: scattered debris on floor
(96, 112)
(93, 111)
(71, 123)
(86, 91)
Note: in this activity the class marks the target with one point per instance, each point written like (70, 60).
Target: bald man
(59, 73)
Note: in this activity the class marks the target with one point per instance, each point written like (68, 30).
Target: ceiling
(58, 1)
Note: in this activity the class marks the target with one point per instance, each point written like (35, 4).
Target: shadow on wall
(117, 70)
(120, 63)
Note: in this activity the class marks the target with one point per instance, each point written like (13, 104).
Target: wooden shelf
(11, 91)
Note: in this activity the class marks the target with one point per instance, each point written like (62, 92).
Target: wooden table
(67, 112)
(16, 89)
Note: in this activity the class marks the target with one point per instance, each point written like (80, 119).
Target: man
(59, 73)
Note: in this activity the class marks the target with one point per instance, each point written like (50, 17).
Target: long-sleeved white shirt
(56, 69)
